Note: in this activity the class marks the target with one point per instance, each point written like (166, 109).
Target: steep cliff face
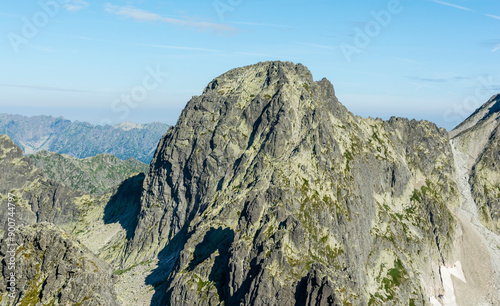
(477, 157)
(53, 269)
(479, 138)
(38, 198)
(485, 181)
(268, 191)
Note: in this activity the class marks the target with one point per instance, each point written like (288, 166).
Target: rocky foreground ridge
(268, 191)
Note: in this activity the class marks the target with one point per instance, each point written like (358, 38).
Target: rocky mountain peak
(488, 112)
(9, 148)
(265, 80)
(262, 75)
(476, 133)
(268, 169)
(242, 116)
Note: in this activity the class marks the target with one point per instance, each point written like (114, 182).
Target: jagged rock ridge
(487, 112)
(39, 199)
(53, 269)
(268, 191)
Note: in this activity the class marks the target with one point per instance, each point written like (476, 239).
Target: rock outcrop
(476, 146)
(53, 269)
(38, 198)
(269, 192)
(478, 137)
(485, 179)
(103, 223)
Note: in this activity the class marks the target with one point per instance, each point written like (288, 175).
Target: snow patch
(449, 298)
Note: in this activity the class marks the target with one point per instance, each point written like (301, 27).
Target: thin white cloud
(256, 54)
(144, 16)
(452, 5)
(147, 45)
(185, 48)
(44, 48)
(492, 16)
(258, 24)
(178, 47)
(438, 80)
(493, 44)
(318, 46)
(406, 60)
(48, 88)
(75, 5)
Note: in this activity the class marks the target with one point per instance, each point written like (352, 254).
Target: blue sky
(107, 62)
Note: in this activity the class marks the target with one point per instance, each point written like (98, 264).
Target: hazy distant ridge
(82, 139)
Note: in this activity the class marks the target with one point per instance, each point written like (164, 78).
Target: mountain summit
(487, 113)
(269, 192)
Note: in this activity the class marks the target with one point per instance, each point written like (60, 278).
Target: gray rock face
(103, 223)
(479, 138)
(269, 192)
(487, 112)
(82, 139)
(38, 198)
(485, 181)
(53, 269)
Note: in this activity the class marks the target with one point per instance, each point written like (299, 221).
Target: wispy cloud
(438, 80)
(178, 47)
(492, 16)
(145, 16)
(256, 54)
(452, 5)
(259, 24)
(47, 88)
(44, 48)
(318, 46)
(494, 44)
(75, 5)
(185, 48)
(406, 60)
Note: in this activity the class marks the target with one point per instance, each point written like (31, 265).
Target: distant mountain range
(82, 139)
